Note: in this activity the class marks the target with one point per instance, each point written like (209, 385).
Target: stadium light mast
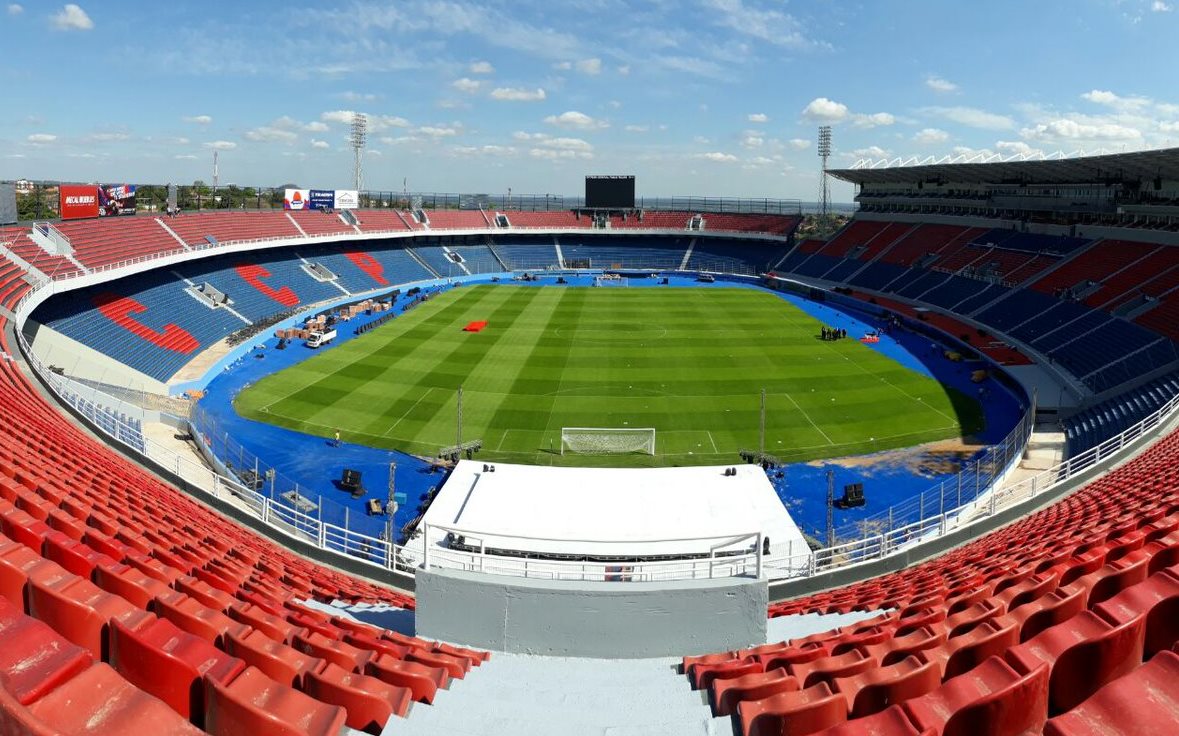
(825, 185)
(358, 139)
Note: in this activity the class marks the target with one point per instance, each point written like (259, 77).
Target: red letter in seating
(118, 309)
(369, 265)
(253, 275)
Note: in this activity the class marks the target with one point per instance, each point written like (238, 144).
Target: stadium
(335, 461)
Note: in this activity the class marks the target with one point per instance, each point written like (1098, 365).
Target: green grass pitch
(689, 362)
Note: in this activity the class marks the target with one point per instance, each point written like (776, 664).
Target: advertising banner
(321, 199)
(295, 199)
(347, 199)
(78, 201)
(116, 199)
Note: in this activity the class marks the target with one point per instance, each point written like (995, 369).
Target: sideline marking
(407, 411)
(808, 418)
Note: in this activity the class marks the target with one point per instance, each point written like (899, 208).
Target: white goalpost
(607, 440)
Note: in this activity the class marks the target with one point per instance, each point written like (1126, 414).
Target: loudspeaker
(350, 480)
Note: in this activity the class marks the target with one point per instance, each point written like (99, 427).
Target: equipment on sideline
(853, 495)
(607, 440)
(315, 339)
(611, 280)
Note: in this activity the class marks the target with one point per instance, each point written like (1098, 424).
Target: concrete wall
(604, 620)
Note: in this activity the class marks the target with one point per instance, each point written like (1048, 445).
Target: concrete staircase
(530, 696)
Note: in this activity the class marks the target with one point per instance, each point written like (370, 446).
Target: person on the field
(336, 439)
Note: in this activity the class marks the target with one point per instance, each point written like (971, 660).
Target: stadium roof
(1137, 166)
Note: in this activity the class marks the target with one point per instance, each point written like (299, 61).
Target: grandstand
(133, 597)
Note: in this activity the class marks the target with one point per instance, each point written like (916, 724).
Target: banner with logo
(116, 199)
(296, 199)
(78, 201)
(347, 199)
(321, 199)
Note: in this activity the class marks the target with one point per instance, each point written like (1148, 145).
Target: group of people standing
(834, 333)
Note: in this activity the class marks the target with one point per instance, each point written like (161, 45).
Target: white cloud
(350, 96)
(931, 135)
(517, 94)
(488, 150)
(71, 18)
(270, 134)
(799, 143)
(15, 9)
(940, 85)
(320, 144)
(824, 110)
(316, 127)
(752, 139)
(717, 157)
(589, 66)
(624, 70)
(972, 117)
(563, 66)
(221, 145)
(467, 85)
(1117, 102)
(439, 131)
(870, 152)
(574, 120)
(481, 67)
(107, 137)
(758, 117)
(376, 123)
(548, 147)
(771, 26)
(41, 139)
(1069, 129)
(863, 120)
(198, 119)
(185, 157)
(637, 128)
(1158, 6)
(1016, 147)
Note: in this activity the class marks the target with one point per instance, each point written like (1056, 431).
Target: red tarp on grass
(475, 326)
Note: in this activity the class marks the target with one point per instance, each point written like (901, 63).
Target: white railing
(726, 556)
(284, 520)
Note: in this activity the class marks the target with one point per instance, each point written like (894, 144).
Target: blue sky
(706, 97)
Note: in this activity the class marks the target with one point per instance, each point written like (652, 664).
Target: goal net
(607, 440)
(611, 280)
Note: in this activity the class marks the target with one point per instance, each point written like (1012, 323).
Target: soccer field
(689, 362)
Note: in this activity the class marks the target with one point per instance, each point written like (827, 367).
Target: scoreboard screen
(610, 192)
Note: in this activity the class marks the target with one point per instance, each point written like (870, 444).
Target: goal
(607, 440)
(611, 280)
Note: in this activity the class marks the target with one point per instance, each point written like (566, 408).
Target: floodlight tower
(358, 139)
(825, 186)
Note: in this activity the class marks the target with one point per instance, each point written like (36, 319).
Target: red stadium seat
(34, 659)
(1082, 653)
(1144, 702)
(96, 702)
(992, 699)
(793, 713)
(254, 704)
(168, 663)
(369, 701)
(277, 660)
